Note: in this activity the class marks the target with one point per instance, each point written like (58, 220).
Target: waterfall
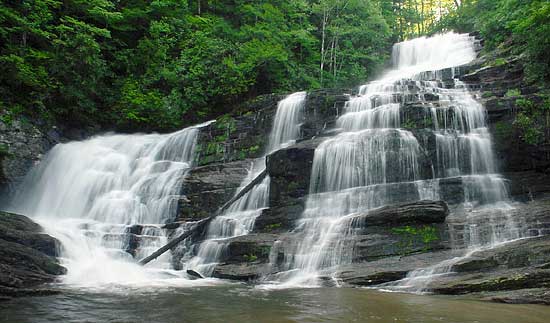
(106, 199)
(380, 151)
(238, 219)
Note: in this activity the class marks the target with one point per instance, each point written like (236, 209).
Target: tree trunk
(199, 225)
(202, 223)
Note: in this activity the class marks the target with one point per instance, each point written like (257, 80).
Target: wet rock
(322, 108)
(500, 87)
(522, 296)
(247, 257)
(21, 230)
(420, 212)
(290, 171)
(242, 272)
(22, 145)
(522, 253)
(251, 248)
(207, 188)
(497, 281)
(193, 273)
(26, 257)
(388, 269)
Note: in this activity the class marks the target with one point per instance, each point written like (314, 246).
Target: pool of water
(244, 304)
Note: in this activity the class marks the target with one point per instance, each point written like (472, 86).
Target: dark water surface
(239, 303)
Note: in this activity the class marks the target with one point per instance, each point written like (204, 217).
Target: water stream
(238, 219)
(387, 133)
(106, 199)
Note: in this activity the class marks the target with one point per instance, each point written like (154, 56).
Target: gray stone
(26, 260)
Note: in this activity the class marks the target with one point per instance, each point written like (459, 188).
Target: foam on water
(376, 156)
(106, 199)
(238, 219)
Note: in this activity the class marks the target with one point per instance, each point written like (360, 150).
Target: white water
(107, 197)
(374, 156)
(238, 219)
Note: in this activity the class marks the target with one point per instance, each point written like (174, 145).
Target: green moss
(409, 124)
(503, 130)
(226, 122)
(499, 62)
(428, 122)
(487, 94)
(293, 186)
(250, 258)
(411, 236)
(272, 227)
(513, 93)
(4, 150)
(531, 120)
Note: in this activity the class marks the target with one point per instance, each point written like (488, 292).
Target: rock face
(207, 188)
(393, 240)
(502, 84)
(390, 231)
(388, 242)
(21, 147)
(244, 133)
(27, 257)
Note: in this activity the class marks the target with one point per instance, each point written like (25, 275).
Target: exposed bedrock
(27, 257)
(207, 188)
(385, 232)
(502, 86)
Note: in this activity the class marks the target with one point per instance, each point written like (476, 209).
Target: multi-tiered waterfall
(238, 219)
(417, 114)
(404, 137)
(106, 199)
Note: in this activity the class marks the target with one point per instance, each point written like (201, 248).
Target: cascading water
(375, 155)
(238, 219)
(106, 199)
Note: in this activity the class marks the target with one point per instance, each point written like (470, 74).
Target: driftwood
(257, 180)
(200, 225)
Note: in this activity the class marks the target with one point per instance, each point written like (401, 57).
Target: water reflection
(243, 304)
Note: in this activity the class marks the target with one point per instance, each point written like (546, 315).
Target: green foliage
(516, 26)
(164, 64)
(532, 120)
(513, 93)
(503, 131)
(409, 124)
(250, 258)
(273, 227)
(487, 94)
(4, 150)
(531, 134)
(499, 62)
(413, 235)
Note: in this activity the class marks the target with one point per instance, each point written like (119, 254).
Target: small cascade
(416, 115)
(287, 121)
(238, 219)
(107, 199)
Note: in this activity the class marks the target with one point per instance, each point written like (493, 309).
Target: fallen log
(194, 274)
(257, 180)
(199, 225)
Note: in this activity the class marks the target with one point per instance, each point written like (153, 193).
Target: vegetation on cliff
(164, 64)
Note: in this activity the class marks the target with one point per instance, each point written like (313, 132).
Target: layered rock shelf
(27, 257)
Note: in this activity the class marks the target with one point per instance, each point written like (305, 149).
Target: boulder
(389, 269)
(420, 212)
(246, 258)
(26, 257)
(207, 188)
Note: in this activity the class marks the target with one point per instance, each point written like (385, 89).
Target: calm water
(243, 304)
